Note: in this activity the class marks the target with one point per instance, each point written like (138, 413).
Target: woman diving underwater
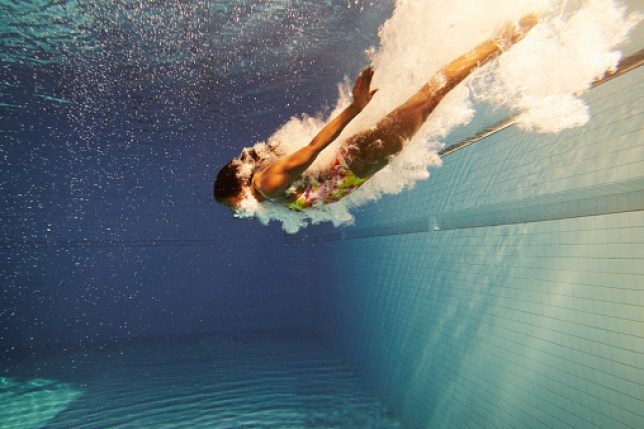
(288, 181)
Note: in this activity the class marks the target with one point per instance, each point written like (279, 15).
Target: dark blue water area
(129, 298)
(115, 117)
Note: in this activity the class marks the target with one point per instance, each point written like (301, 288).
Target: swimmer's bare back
(370, 151)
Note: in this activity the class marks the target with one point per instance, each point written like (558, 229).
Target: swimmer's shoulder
(255, 189)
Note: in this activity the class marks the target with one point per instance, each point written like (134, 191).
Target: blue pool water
(253, 380)
(506, 291)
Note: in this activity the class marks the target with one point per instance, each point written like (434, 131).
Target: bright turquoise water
(251, 381)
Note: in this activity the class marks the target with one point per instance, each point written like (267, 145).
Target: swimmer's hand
(274, 180)
(362, 92)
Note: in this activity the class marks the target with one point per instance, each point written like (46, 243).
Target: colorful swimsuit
(337, 182)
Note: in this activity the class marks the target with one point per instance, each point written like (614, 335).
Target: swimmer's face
(234, 205)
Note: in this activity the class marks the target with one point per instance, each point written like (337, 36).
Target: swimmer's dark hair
(227, 184)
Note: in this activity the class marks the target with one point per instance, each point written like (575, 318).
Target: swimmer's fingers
(365, 77)
(362, 92)
(363, 81)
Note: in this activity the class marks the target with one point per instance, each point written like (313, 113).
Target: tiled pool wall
(508, 289)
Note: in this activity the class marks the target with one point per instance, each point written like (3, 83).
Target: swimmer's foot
(511, 33)
(515, 31)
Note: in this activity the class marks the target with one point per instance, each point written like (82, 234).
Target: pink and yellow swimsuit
(338, 182)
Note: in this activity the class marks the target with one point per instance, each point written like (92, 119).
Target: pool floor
(214, 382)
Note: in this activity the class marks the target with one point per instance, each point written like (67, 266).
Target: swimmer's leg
(369, 151)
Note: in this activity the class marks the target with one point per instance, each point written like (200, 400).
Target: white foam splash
(573, 46)
(540, 79)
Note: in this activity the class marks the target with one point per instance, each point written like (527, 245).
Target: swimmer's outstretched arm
(278, 176)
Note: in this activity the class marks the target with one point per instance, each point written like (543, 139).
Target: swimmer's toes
(514, 32)
(527, 22)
